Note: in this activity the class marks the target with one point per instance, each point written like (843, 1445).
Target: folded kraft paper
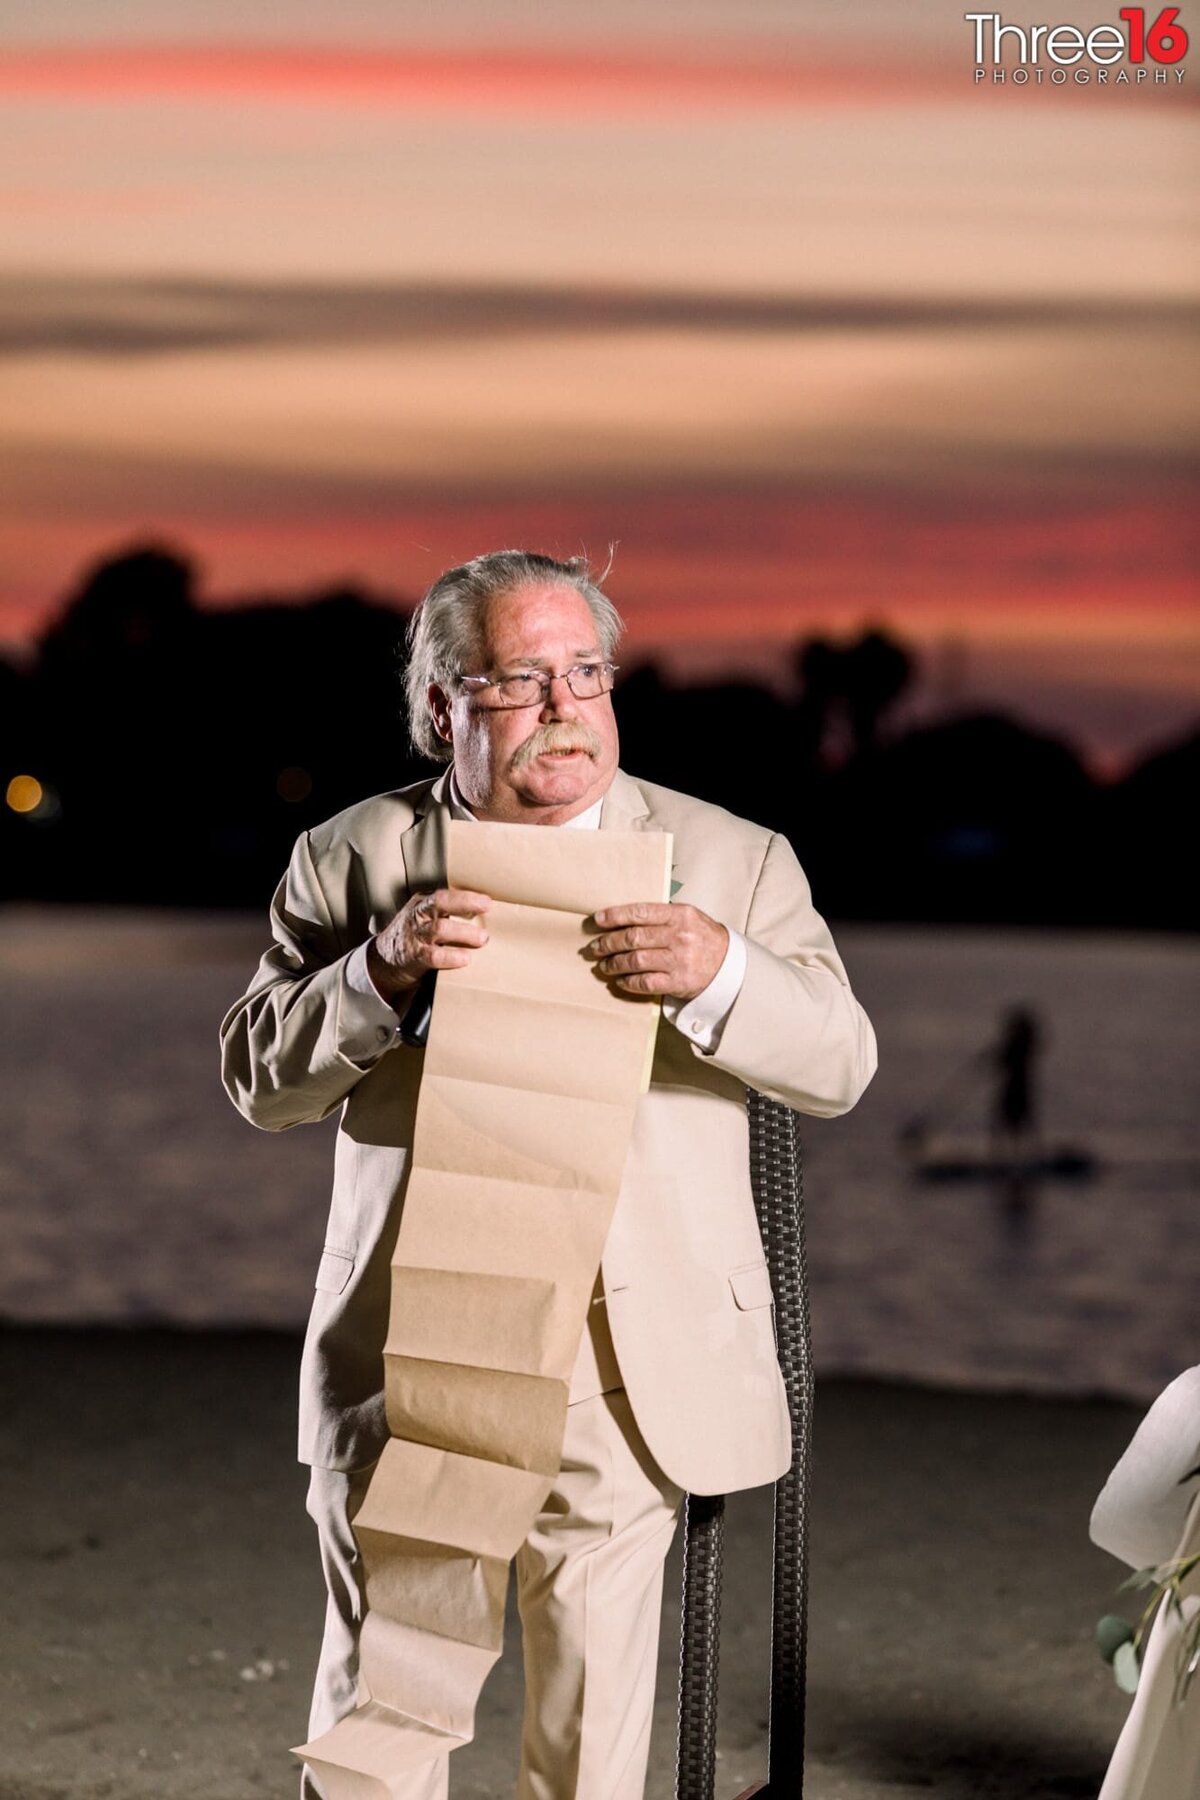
(532, 1074)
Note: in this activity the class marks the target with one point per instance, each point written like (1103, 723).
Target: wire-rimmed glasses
(529, 687)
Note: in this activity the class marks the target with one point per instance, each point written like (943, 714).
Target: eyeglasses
(529, 687)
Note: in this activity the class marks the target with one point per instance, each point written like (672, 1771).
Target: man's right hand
(431, 931)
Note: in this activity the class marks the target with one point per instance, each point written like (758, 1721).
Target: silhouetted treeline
(180, 751)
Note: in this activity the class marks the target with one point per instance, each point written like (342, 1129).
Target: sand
(167, 1602)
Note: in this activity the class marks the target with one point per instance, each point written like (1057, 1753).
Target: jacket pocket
(333, 1271)
(752, 1286)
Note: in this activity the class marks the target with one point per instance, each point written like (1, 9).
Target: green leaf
(1126, 1668)
(1111, 1633)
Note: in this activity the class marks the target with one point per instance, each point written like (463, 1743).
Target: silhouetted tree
(120, 720)
(818, 666)
(127, 606)
(1149, 832)
(860, 681)
(185, 749)
(314, 696)
(875, 672)
(708, 740)
(190, 747)
(971, 818)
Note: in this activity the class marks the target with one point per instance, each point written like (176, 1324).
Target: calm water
(133, 1192)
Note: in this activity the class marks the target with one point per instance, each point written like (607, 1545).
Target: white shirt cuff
(702, 1019)
(367, 1021)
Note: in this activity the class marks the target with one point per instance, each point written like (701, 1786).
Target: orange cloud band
(522, 82)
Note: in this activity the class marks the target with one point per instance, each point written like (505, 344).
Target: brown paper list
(532, 1074)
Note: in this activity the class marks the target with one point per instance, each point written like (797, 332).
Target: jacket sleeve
(285, 1043)
(795, 1031)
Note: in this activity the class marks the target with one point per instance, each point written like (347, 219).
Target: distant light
(25, 793)
(293, 785)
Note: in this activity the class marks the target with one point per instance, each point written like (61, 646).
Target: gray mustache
(557, 736)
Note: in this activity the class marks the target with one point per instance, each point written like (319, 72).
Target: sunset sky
(816, 330)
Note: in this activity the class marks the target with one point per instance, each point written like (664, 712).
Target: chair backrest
(777, 1178)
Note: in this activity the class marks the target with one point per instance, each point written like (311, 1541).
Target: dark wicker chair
(779, 1195)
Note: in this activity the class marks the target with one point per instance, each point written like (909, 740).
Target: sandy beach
(165, 1600)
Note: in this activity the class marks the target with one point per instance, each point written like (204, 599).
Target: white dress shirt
(370, 1021)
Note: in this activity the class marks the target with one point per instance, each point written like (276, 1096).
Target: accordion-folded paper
(532, 1074)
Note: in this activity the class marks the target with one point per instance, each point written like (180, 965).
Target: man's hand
(658, 949)
(431, 931)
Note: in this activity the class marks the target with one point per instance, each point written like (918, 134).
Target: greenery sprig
(1121, 1643)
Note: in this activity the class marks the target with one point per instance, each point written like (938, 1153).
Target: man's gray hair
(445, 634)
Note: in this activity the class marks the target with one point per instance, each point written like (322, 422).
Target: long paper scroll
(532, 1074)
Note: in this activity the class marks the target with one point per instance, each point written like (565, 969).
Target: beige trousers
(589, 1591)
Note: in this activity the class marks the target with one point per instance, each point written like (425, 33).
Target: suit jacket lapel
(624, 807)
(424, 844)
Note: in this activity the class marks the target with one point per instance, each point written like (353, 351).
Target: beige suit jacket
(684, 1276)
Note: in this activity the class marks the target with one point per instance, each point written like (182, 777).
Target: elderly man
(676, 1386)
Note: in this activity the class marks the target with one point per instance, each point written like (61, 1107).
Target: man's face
(533, 765)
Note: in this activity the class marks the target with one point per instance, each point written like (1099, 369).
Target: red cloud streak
(517, 82)
(709, 564)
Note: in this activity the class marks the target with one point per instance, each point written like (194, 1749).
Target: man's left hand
(658, 949)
